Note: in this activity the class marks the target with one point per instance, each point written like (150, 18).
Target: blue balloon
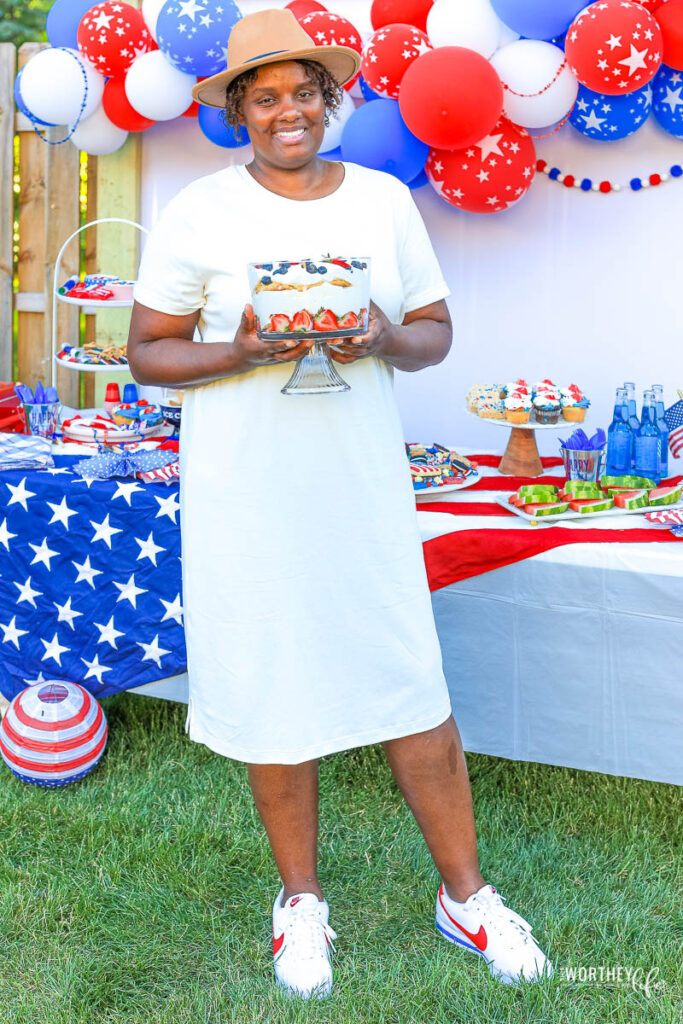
(419, 181)
(376, 136)
(667, 105)
(194, 36)
(332, 154)
(21, 106)
(368, 94)
(218, 131)
(63, 20)
(610, 117)
(538, 19)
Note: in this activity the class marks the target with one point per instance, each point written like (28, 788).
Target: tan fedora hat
(268, 37)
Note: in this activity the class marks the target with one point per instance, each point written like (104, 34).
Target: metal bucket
(582, 465)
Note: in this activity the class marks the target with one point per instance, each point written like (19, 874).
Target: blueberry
(280, 270)
(311, 268)
(267, 266)
(357, 264)
(322, 270)
(266, 280)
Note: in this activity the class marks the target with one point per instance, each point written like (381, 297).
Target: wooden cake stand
(521, 456)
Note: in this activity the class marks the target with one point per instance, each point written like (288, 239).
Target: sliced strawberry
(324, 320)
(302, 321)
(348, 320)
(279, 322)
(362, 315)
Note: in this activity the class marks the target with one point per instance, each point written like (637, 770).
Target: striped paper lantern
(53, 733)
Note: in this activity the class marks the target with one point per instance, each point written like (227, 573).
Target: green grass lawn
(143, 894)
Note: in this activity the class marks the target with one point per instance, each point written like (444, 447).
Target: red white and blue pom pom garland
(605, 187)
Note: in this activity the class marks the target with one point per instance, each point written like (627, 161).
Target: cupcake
(574, 404)
(515, 386)
(517, 407)
(547, 407)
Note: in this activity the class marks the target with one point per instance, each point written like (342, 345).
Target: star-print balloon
(667, 99)
(598, 116)
(388, 54)
(614, 47)
(111, 35)
(193, 34)
(327, 29)
(489, 176)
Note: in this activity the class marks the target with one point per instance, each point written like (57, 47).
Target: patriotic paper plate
(97, 429)
(53, 733)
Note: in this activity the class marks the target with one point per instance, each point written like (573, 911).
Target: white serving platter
(425, 492)
(502, 499)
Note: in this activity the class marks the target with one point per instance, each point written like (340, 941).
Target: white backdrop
(580, 288)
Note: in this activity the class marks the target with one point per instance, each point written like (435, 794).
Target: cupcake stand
(521, 456)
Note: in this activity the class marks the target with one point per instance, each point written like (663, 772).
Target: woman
(308, 618)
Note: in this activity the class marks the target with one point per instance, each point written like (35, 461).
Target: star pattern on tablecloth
(90, 580)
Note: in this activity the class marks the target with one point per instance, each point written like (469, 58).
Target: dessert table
(561, 644)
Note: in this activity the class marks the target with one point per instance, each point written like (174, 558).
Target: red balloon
(450, 97)
(332, 30)
(614, 47)
(489, 176)
(300, 8)
(409, 12)
(669, 17)
(118, 109)
(111, 35)
(388, 54)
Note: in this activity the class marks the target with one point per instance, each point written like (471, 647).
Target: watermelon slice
(630, 499)
(529, 489)
(665, 495)
(591, 505)
(582, 489)
(546, 508)
(630, 482)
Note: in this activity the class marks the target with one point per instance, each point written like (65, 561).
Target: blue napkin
(120, 463)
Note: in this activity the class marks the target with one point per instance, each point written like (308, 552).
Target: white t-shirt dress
(308, 618)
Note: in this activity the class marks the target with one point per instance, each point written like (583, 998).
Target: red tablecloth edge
(458, 556)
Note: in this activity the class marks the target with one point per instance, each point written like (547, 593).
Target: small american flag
(674, 419)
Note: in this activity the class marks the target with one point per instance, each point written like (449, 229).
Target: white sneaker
(301, 945)
(484, 925)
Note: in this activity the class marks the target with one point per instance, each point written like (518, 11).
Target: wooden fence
(49, 210)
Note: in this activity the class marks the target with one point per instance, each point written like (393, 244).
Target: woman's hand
(251, 351)
(380, 334)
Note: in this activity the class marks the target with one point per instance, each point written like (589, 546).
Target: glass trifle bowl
(327, 298)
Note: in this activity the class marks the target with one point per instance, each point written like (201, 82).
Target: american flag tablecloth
(90, 580)
(469, 534)
(90, 573)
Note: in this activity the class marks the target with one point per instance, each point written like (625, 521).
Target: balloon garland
(448, 94)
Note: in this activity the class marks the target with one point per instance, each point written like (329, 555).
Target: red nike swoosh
(479, 940)
(277, 944)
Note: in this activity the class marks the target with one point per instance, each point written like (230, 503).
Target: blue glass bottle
(663, 430)
(633, 420)
(619, 439)
(648, 440)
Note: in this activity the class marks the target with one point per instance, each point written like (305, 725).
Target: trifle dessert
(328, 297)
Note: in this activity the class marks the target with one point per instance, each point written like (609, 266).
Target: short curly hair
(332, 91)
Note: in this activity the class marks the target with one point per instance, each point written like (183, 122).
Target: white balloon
(333, 134)
(53, 85)
(507, 34)
(150, 12)
(529, 66)
(97, 135)
(156, 89)
(470, 23)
